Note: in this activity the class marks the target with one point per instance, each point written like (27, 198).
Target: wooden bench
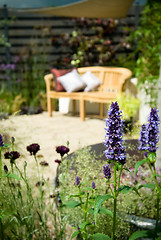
(112, 79)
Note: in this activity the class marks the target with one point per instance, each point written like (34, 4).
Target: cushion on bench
(58, 73)
(72, 81)
(90, 80)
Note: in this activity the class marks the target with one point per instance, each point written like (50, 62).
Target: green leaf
(126, 169)
(6, 145)
(87, 188)
(106, 211)
(74, 195)
(157, 175)
(82, 225)
(147, 185)
(91, 211)
(100, 199)
(124, 189)
(100, 236)
(139, 163)
(72, 204)
(75, 234)
(12, 175)
(138, 234)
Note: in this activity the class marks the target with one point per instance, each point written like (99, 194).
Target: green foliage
(27, 212)
(128, 104)
(146, 40)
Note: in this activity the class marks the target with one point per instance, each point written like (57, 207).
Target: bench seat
(112, 79)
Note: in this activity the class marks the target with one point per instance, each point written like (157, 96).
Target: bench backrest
(112, 78)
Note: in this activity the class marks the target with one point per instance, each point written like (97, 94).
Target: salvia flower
(62, 150)
(107, 171)
(1, 141)
(33, 148)
(77, 181)
(93, 185)
(113, 138)
(13, 155)
(143, 138)
(153, 130)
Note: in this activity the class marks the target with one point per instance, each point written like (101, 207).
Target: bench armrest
(49, 80)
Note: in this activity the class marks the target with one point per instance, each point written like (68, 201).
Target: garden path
(49, 133)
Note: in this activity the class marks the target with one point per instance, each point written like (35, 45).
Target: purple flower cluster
(143, 138)
(113, 138)
(1, 141)
(13, 155)
(149, 134)
(4, 67)
(77, 181)
(33, 148)
(62, 150)
(107, 171)
(93, 185)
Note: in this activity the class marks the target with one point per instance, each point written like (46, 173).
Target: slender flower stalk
(1, 145)
(115, 152)
(149, 138)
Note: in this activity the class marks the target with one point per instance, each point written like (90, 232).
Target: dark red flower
(13, 155)
(33, 148)
(58, 161)
(62, 150)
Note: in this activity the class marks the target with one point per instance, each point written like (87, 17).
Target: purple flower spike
(33, 148)
(153, 130)
(113, 138)
(107, 171)
(143, 138)
(149, 135)
(93, 185)
(1, 141)
(77, 181)
(62, 150)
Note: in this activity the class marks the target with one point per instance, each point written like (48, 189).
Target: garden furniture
(111, 83)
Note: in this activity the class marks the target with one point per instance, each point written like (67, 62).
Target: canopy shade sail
(89, 9)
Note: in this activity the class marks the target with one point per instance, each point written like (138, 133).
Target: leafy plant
(146, 40)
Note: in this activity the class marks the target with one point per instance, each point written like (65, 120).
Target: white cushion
(90, 80)
(72, 81)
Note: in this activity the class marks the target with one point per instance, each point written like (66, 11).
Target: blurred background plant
(22, 83)
(146, 42)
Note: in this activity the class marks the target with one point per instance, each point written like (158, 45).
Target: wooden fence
(24, 30)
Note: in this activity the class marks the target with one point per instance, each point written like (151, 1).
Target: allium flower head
(143, 138)
(33, 148)
(13, 155)
(153, 130)
(62, 150)
(93, 185)
(113, 138)
(77, 181)
(1, 141)
(107, 171)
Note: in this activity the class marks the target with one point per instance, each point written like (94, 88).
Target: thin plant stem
(158, 201)
(0, 162)
(115, 204)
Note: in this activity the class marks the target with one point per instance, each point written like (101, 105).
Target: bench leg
(49, 106)
(74, 107)
(82, 109)
(101, 110)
